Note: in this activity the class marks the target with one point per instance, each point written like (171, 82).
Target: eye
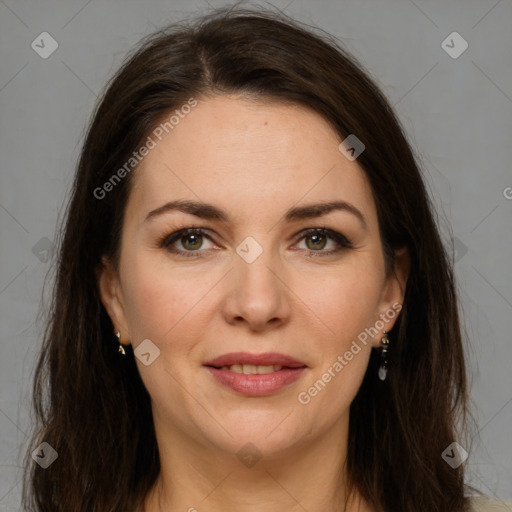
(319, 237)
(192, 239)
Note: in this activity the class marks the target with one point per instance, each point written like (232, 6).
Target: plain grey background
(456, 109)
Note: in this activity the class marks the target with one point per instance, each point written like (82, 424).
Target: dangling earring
(383, 370)
(121, 349)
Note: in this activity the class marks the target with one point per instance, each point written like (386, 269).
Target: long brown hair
(91, 405)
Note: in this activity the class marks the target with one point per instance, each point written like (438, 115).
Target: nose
(257, 293)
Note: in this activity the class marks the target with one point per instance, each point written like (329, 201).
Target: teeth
(250, 369)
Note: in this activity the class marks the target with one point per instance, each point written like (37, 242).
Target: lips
(256, 385)
(265, 359)
(255, 375)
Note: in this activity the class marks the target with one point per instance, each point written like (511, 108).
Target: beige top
(480, 504)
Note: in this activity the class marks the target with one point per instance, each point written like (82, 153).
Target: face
(270, 277)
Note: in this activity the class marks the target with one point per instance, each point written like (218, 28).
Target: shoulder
(481, 504)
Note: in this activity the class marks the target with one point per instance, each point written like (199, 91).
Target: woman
(253, 309)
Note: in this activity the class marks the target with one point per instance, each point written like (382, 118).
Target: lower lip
(257, 384)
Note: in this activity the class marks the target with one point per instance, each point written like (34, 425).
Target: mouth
(255, 374)
(251, 369)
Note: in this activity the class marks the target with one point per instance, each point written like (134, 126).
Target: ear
(111, 295)
(393, 292)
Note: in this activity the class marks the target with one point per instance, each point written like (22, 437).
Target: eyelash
(342, 241)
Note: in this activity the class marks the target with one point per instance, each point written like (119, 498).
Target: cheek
(344, 306)
(346, 302)
(164, 302)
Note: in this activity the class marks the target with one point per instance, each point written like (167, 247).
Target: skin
(253, 159)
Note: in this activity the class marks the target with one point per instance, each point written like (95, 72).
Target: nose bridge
(257, 263)
(258, 292)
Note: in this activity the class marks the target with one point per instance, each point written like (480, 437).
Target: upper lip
(265, 359)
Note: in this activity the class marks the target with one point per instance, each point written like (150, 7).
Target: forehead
(242, 154)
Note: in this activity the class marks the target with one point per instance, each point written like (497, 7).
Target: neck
(306, 476)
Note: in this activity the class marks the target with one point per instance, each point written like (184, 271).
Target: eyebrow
(211, 212)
